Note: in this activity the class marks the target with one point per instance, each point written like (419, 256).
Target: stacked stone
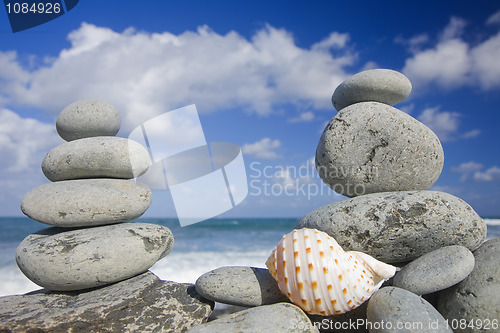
(385, 160)
(88, 203)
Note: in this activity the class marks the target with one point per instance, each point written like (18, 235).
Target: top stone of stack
(88, 118)
(374, 85)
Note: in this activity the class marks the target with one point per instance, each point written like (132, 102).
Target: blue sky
(261, 74)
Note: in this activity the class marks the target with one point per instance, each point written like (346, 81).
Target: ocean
(198, 248)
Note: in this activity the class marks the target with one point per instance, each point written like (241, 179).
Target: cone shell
(320, 277)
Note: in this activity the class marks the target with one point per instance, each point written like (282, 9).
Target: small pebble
(436, 270)
(393, 309)
(87, 118)
(98, 157)
(254, 287)
(276, 318)
(377, 85)
(86, 202)
(476, 301)
(61, 259)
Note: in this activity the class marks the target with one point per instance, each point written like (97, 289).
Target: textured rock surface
(378, 85)
(399, 226)
(476, 297)
(88, 202)
(436, 270)
(141, 304)
(276, 318)
(86, 118)
(98, 157)
(403, 311)
(58, 259)
(371, 147)
(254, 287)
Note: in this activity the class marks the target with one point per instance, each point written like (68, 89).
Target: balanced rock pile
(385, 160)
(91, 245)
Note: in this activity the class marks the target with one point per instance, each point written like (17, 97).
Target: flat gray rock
(87, 202)
(371, 147)
(143, 303)
(393, 309)
(399, 226)
(436, 270)
(58, 259)
(97, 157)
(476, 299)
(276, 318)
(239, 285)
(86, 118)
(377, 85)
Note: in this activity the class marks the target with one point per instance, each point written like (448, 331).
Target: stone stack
(88, 202)
(385, 160)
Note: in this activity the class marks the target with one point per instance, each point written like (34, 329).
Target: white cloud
(452, 62)
(490, 175)
(445, 124)
(471, 134)
(303, 117)
(494, 19)
(263, 149)
(145, 74)
(454, 29)
(467, 167)
(24, 142)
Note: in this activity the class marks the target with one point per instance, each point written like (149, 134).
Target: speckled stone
(436, 270)
(276, 318)
(371, 147)
(142, 303)
(377, 85)
(399, 226)
(97, 157)
(476, 297)
(87, 202)
(87, 118)
(58, 259)
(393, 309)
(254, 287)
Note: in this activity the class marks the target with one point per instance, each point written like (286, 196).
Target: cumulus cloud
(453, 62)
(24, 142)
(303, 117)
(467, 167)
(263, 149)
(490, 175)
(494, 19)
(445, 124)
(212, 70)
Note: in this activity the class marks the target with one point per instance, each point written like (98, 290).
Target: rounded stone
(97, 157)
(377, 85)
(475, 300)
(255, 286)
(62, 260)
(276, 318)
(87, 118)
(371, 147)
(86, 202)
(399, 226)
(393, 309)
(436, 270)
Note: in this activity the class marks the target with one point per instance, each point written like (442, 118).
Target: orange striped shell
(320, 277)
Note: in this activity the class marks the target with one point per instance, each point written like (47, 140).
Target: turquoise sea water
(198, 248)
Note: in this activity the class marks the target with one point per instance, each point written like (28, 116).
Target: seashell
(317, 275)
